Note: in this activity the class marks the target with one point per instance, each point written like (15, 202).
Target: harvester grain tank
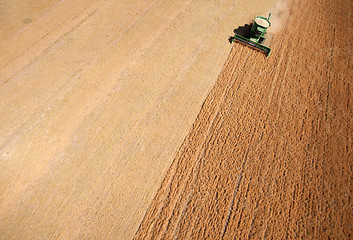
(257, 35)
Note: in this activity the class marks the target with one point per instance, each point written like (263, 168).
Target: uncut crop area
(270, 153)
(138, 120)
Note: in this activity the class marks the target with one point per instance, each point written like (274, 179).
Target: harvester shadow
(243, 31)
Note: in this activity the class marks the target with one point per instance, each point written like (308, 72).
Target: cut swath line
(236, 188)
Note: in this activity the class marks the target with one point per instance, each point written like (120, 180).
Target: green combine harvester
(256, 36)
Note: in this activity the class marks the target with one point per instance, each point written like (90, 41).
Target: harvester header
(256, 35)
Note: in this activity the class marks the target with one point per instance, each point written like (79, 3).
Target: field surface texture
(270, 154)
(96, 98)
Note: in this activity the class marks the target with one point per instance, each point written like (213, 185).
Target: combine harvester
(256, 35)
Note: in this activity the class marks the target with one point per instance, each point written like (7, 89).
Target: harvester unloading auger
(256, 36)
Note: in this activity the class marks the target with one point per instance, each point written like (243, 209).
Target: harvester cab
(257, 35)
